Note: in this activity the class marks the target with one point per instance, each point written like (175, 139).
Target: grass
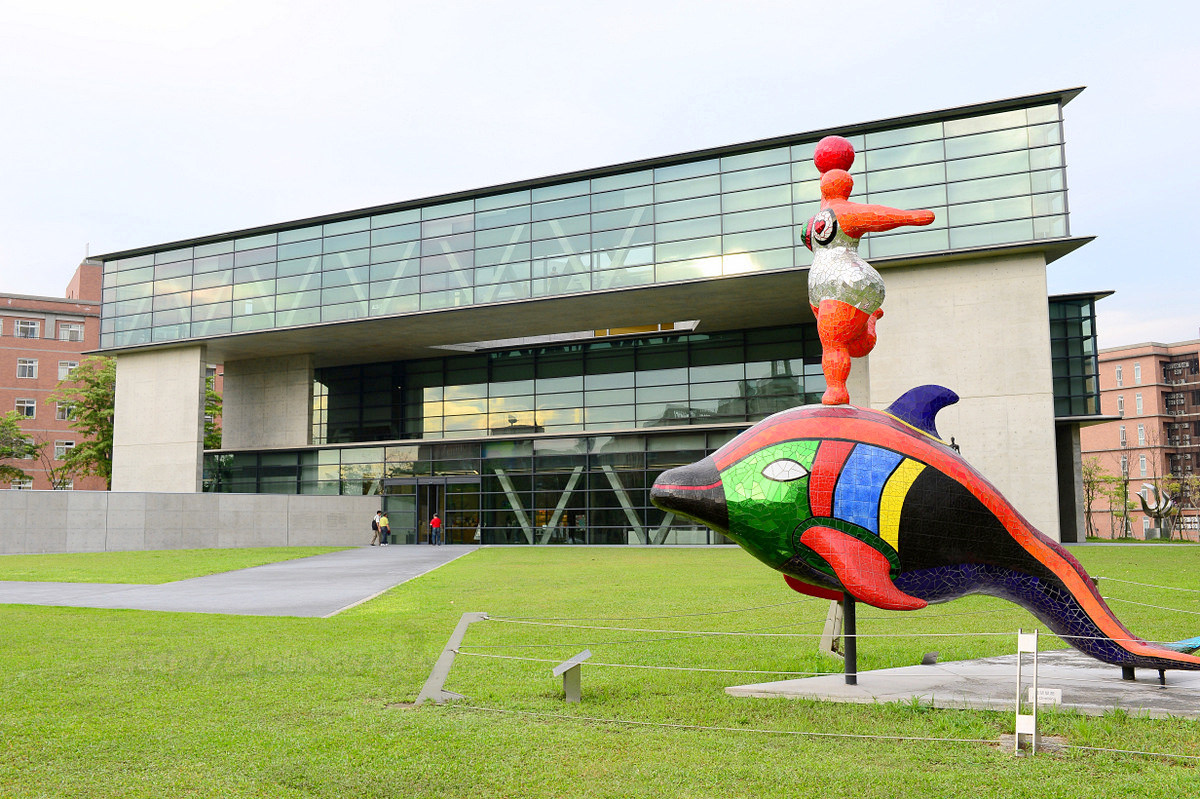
(132, 703)
(144, 568)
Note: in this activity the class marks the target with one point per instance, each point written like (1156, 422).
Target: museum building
(524, 359)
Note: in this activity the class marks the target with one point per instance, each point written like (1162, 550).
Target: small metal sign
(1046, 696)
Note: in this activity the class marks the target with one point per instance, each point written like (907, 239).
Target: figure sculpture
(845, 292)
(874, 505)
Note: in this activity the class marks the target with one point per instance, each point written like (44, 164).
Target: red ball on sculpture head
(833, 152)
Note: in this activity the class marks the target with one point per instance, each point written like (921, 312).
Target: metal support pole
(1127, 673)
(432, 689)
(569, 670)
(850, 633)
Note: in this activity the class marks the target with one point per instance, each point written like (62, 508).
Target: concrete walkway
(323, 585)
(1089, 686)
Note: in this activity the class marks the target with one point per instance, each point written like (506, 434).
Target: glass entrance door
(411, 502)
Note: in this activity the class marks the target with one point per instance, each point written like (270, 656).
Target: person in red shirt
(435, 531)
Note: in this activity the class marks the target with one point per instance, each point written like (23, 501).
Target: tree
(1115, 491)
(57, 471)
(90, 391)
(1093, 476)
(212, 415)
(14, 446)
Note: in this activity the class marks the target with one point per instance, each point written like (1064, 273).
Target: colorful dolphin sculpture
(876, 505)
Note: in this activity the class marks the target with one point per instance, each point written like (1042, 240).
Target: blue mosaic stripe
(860, 485)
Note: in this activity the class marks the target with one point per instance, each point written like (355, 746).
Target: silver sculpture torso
(838, 272)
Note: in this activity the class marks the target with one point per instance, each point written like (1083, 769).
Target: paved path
(323, 585)
(1089, 686)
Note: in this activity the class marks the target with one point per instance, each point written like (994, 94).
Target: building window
(1141, 435)
(23, 328)
(1124, 443)
(1120, 379)
(64, 411)
(1141, 464)
(1124, 465)
(70, 331)
(26, 367)
(27, 408)
(1120, 405)
(1137, 401)
(1145, 524)
(1137, 374)
(68, 485)
(61, 448)
(22, 485)
(65, 367)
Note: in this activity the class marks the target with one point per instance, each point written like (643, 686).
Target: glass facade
(526, 484)
(605, 384)
(578, 490)
(1073, 353)
(995, 178)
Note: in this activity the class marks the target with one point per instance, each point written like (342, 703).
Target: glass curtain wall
(569, 490)
(1073, 357)
(992, 179)
(609, 384)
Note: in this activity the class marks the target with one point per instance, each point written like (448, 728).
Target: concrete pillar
(267, 402)
(981, 328)
(158, 429)
(1071, 511)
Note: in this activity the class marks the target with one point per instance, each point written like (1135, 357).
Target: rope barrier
(739, 633)
(799, 733)
(1156, 607)
(1150, 585)
(673, 616)
(710, 728)
(656, 668)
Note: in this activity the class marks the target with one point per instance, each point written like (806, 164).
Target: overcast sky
(128, 124)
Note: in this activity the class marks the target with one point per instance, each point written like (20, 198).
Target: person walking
(435, 531)
(385, 530)
(375, 527)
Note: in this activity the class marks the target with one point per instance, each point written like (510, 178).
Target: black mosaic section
(943, 523)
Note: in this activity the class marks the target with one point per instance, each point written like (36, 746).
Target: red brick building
(1155, 389)
(41, 340)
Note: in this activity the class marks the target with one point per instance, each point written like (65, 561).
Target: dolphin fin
(813, 590)
(919, 406)
(862, 569)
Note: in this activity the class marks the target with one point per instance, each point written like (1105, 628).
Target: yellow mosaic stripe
(892, 500)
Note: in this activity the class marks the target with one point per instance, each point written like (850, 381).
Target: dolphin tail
(1187, 646)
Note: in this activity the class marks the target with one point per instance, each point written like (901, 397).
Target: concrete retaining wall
(96, 521)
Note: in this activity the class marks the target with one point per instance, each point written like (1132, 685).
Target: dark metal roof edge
(1089, 419)
(1063, 96)
(1084, 295)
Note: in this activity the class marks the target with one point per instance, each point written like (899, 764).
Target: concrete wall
(93, 521)
(981, 328)
(158, 431)
(267, 403)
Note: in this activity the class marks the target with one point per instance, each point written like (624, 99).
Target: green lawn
(139, 704)
(144, 568)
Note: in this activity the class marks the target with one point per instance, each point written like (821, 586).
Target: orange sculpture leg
(845, 332)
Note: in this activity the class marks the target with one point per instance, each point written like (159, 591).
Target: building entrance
(411, 502)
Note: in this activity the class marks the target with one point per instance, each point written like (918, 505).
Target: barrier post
(1026, 723)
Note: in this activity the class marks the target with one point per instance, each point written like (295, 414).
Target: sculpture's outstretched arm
(857, 219)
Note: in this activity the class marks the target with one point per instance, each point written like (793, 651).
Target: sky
(129, 123)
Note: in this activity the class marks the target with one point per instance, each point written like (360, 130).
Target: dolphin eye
(784, 470)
